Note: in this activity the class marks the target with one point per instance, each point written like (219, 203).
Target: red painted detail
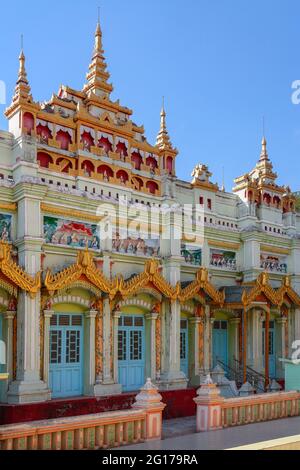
(87, 141)
(88, 167)
(64, 138)
(28, 122)
(179, 404)
(152, 186)
(170, 165)
(105, 169)
(151, 161)
(44, 132)
(137, 159)
(105, 144)
(44, 159)
(74, 227)
(122, 175)
(121, 149)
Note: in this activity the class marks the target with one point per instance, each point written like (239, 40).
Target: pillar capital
(152, 316)
(195, 320)
(235, 321)
(48, 313)
(91, 314)
(10, 314)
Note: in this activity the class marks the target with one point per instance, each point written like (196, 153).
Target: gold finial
(264, 153)
(163, 138)
(97, 77)
(22, 86)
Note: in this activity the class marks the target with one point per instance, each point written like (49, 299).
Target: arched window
(65, 164)
(28, 122)
(121, 149)
(64, 138)
(87, 167)
(267, 198)
(106, 171)
(87, 141)
(152, 186)
(44, 159)
(44, 133)
(105, 144)
(137, 159)
(152, 162)
(122, 176)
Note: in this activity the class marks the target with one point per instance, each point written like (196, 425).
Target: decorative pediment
(151, 277)
(84, 269)
(261, 287)
(286, 290)
(202, 284)
(15, 275)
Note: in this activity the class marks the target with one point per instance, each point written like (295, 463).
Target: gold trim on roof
(16, 274)
(202, 283)
(84, 266)
(286, 289)
(262, 286)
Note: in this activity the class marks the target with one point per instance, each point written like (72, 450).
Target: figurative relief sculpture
(66, 232)
(135, 244)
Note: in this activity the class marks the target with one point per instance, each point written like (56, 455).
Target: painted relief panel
(223, 259)
(191, 254)
(273, 263)
(134, 242)
(66, 232)
(5, 227)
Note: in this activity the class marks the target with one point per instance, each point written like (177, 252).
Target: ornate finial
(264, 154)
(22, 86)
(163, 139)
(97, 77)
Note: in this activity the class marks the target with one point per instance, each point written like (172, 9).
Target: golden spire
(22, 89)
(97, 77)
(163, 139)
(264, 153)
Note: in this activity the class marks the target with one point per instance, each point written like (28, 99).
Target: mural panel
(133, 242)
(66, 232)
(273, 263)
(191, 254)
(5, 227)
(223, 259)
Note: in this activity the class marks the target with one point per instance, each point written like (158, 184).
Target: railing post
(150, 400)
(209, 406)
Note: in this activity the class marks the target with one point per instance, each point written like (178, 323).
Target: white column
(152, 317)
(211, 351)
(172, 377)
(297, 324)
(280, 345)
(107, 376)
(47, 317)
(254, 325)
(90, 337)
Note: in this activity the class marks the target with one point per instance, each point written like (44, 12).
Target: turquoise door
(66, 355)
(272, 357)
(131, 352)
(220, 342)
(184, 347)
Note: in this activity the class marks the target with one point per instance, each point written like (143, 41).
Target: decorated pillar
(267, 342)
(211, 351)
(172, 377)
(281, 348)
(152, 318)
(46, 344)
(196, 324)
(207, 341)
(297, 324)
(90, 360)
(8, 339)
(106, 383)
(245, 326)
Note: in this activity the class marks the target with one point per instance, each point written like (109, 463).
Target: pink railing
(96, 431)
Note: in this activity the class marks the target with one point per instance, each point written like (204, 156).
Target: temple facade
(113, 270)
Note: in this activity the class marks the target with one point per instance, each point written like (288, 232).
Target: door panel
(131, 354)
(66, 355)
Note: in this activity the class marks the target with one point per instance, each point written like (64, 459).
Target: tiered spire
(97, 77)
(163, 139)
(264, 153)
(22, 89)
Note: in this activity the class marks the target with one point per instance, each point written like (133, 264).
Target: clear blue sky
(221, 64)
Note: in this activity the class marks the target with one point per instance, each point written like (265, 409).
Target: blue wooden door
(184, 347)
(220, 342)
(131, 352)
(66, 355)
(272, 356)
